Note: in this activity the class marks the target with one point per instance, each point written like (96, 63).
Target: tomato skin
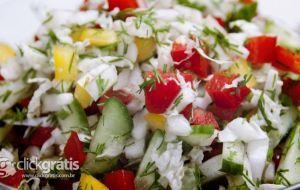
(119, 179)
(187, 111)
(202, 117)
(1, 78)
(25, 102)
(122, 4)
(15, 180)
(40, 136)
(277, 153)
(74, 149)
(288, 59)
(193, 62)
(229, 97)
(224, 113)
(261, 49)
(220, 21)
(217, 149)
(123, 96)
(292, 89)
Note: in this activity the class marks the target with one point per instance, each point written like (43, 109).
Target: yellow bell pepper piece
(88, 182)
(65, 62)
(75, 35)
(241, 67)
(155, 121)
(98, 37)
(146, 48)
(6, 52)
(83, 97)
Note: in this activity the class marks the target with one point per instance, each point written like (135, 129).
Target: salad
(150, 94)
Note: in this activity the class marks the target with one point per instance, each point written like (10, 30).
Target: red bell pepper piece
(288, 58)
(191, 61)
(14, 180)
(160, 94)
(261, 49)
(202, 117)
(74, 149)
(122, 4)
(119, 179)
(229, 97)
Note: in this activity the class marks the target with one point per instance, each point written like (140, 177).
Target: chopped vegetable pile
(151, 94)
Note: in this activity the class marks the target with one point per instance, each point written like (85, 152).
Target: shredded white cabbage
(170, 164)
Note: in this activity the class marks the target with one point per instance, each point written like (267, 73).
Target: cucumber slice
(146, 177)
(112, 131)
(211, 169)
(289, 166)
(73, 117)
(191, 178)
(287, 120)
(4, 130)
(233, 158)
(199, 134)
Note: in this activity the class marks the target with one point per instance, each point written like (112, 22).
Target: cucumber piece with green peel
(73, 118)
(192, 177)
(288, 170)
(287, 122)
(112, 132)
(146, 174)
(233, 158)
(199, 134)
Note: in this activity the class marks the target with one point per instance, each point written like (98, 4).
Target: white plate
(19, 20)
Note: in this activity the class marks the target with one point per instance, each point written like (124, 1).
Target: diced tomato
(248, 1)
(160, 94)
(216, 149)
(15, 180)
(261, 49)
(74, 149)
(1, 78)
(40, 136)
(187, 111)
(25, 102)
(92, 109)
(224, 113)
(202, 117)
(193, 62)
(288, 58)
(123, 96)
(292, 89)
(119, 179)
(122, 4)
(220, 21)
(229, 97)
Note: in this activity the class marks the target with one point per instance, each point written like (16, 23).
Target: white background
(18, 22)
